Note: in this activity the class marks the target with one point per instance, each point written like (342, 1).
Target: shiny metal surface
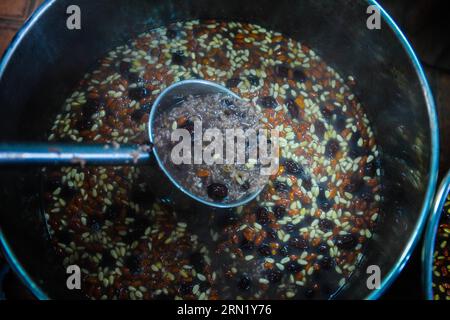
(390, 83)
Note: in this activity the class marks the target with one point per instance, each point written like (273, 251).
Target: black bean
(268, 102)
(67, 192)
(282, 71)
(137, 115)
(226, 103)
(299, 75)
(293, 108)
(274, 276)
(326, 225)
(124, 68)
(178, 58)
(244, 283)
(232, 83)
(264, 250)
(366, 194)
(326, 263)
(185, 288)
(133, 263)
(370, 169)
(294, 267)
(217, 191)
(340, 122)
(247, 245)
(279, 212)
(298, 243)
(346, 242)
(90, 108)
(332, 148)
(293, 168)
(262, 215)
(138, 93)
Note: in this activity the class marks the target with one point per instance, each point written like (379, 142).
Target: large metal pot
(46, 59)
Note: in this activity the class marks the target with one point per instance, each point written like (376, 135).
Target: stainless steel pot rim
(412, 242)
(430, 236)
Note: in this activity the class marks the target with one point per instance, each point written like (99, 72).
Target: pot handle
(72, 155)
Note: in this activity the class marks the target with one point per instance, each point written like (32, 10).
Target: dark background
(426, 24)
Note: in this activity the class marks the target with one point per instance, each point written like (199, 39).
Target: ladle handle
(71, 155)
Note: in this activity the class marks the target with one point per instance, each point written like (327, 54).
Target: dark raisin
(279, 212)
(137, 115)
(271, 233)
(171, 33)
(124, 68)
(133, 263)
(254, 80)
(309, 293)
(294, 267)
(292, 108)
(332, 148)
(355, 184)
(244, 283)
(319, 129)
(217, 191)
(94, 224)
(274, 276)
(90, 108)
(189, 125)
(196, 260)
(185, 288)
(264, 250)
(64, 236)
(262, 215)
(322, 248)
(289, 227)
(138, 93)
(281, 187)
(233, 82)
(67, 192)
(326, 225)
(108, 260)
(84, 124)
(326, 263)
(247, 245)
(299, 243)
(293, 168)
(366, 194)
(282, 71)
(268, 102)
(178, 58)
(370, 169)
(346, 242)
(299, 75)
(112, 212)
(306, 222)
(307, 183)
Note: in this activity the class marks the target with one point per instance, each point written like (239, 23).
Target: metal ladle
(44, 154)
